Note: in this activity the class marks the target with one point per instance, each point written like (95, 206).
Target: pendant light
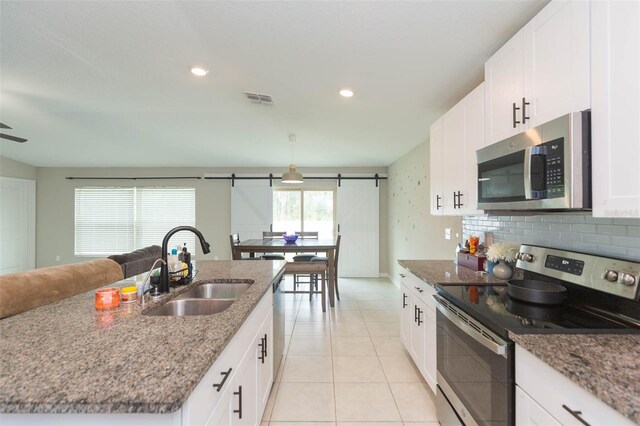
(292, 176)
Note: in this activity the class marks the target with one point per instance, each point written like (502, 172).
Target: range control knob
(626, 279)
(525, 257)
(611, 276)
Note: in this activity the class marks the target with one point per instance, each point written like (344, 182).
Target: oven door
(475, 371)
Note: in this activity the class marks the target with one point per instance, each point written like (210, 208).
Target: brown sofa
(23, 291)
(138, 261)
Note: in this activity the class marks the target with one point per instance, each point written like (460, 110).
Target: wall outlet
(447, 233)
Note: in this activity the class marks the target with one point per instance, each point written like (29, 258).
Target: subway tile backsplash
(575, 231)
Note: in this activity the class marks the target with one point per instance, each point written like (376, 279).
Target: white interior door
(17, 225)
(251, 208)
(358, 222)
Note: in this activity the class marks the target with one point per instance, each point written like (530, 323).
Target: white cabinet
(615, 112)
(436, 168)
(549, 394)
(418, 325)
(541, 73)
(454, 141)
(235, 389)
(529, 413)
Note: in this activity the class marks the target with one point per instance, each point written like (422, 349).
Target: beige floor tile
(369, 424)
(382, 316)
(357, 369)
(290, 314)
(303, 424)
(311, 329)
(366, 295)
(288, 327)
(399, 369)
(414, 401)
(287, 342)
(388, 345)
(346, 304)
(341, 315)
(268, 409)
(304, 402)
(365, 402)
(378, 305)
(421, 423)
(312, 315)
(320, 345)
(310, 369)
(278, 376)
(349, 328)
(352, 346)
(384, 328)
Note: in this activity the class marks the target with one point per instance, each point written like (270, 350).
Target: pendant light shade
(292, 176)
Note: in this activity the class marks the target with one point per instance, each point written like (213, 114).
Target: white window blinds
(118, 220)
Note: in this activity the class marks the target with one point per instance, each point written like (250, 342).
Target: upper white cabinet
(541, 73)
(615, 112)
(454, 140)
(436, 167)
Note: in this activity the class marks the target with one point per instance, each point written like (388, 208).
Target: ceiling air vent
(258, 98)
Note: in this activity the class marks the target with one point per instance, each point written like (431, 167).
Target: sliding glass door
(304, 210)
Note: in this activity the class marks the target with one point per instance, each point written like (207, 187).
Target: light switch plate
(447, 233)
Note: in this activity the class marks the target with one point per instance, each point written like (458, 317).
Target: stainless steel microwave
(543, 168)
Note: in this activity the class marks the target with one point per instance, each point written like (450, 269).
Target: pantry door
(358, 223)
(17, 225)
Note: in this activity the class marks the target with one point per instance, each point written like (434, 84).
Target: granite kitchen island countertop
(446, 272)
(607, 365)
(66, 357)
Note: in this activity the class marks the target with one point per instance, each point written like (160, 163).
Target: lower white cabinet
(235, 389)
(418, 325)
(545, 396)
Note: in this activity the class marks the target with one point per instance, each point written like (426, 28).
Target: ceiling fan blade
(4, 126)
(12, 138)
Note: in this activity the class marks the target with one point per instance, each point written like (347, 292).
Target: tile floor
(347, 366)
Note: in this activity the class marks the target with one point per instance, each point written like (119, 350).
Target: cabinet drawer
(551, 390)
(206, 396)
(420, 289)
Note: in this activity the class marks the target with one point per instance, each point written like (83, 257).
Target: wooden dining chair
(304, 257)
(325, 260)
(272, 256)
(234, 240)
(314, 269)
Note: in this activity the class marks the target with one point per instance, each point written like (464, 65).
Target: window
(118, 220)
(303, 210)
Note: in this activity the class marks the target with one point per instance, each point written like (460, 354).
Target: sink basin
(220, 291)
(189, 307)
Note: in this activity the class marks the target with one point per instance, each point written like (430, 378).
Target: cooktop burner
(602, 296)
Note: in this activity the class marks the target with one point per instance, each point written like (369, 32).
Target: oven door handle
(495, 344)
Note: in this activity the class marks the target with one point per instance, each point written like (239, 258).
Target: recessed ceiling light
(199, 71)
(347, 93)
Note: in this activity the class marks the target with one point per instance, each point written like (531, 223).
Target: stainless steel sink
(222, 291)
(189, 307)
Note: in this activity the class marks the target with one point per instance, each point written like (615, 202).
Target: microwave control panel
(554, 169)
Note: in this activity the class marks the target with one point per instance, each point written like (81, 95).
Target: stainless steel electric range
(475, 357)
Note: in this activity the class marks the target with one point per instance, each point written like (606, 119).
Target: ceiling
(107, 83)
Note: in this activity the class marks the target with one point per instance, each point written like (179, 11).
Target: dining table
(301, 245)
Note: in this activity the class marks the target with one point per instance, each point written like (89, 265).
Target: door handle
(420, 311)
(576, 414)
(515, 108)
(457, 204)
(404, 300)
(438, 198)
(262, 345)
(338, 228)
(415, 313)
(524, 114)
(266, 346)
(239, 410)
(226, 375)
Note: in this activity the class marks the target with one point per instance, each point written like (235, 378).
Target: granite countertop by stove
(446, 272)
(67, 357)
(586, 360)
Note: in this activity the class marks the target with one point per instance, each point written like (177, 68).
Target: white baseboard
(383, 274)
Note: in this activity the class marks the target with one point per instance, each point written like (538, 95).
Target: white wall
(16, 169)
(413, 232)
(55, 205)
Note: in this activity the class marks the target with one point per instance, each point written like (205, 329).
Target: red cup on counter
(107, 298)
